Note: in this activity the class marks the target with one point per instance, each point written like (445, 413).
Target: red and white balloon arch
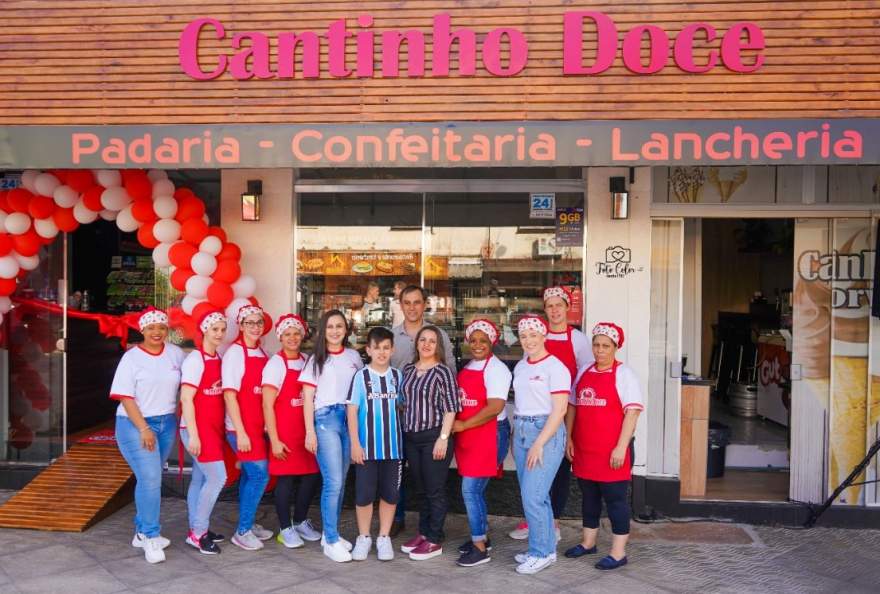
(170, 221)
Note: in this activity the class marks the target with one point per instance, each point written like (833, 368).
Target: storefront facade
(472, 150)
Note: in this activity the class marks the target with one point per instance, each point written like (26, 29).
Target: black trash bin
(719, 437)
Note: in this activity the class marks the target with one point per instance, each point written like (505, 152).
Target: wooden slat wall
(115, 62)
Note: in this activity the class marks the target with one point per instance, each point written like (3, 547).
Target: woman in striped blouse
(431, 402)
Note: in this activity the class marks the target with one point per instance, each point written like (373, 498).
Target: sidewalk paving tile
(89, 580)
(44, 561)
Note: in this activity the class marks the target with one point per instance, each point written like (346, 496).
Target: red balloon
(230, 251)
(65, 220)
(27, 244)
(194, 231)
(19, 199)
(189, 207)
(201, 309)
(92, 198)
(181, 193)
(145, 236)
(7, 286)
(138, 186)
(41, 207)
(218, 232)
(142, 211)
(4, 205)
(22, 274)
(181, 253)
(227, 271)
(5, 244)
(179, 278)
(127, 174)
(80, 179)
(21, 437)
(220, 295)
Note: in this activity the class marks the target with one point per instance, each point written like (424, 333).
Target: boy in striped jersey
(376, 443)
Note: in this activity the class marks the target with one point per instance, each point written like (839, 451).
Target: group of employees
(303, 420)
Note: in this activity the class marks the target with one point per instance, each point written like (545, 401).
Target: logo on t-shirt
(295, 402)
(214, 390)
(382, 396)
(465, 401)
(258, 390)
(587, 397)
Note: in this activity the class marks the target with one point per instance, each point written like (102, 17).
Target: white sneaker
(522, 557)
(290, 538)
(307, 531)
(362, 547)
(535, 564)
(261, 532)
(139, 540)
(337, 552)
(384, 548)
(247, 541)
(521, 532)
(344, 542)
(153, 552)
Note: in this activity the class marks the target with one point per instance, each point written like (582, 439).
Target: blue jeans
(473, 489)
(334, 457)
(147, 467)
(251, 485)
(534, 484)
(207, 481)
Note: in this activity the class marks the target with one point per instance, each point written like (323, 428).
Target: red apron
(250, 406)
(210, 411)
(291, 426)
(564, 351)
(598, 420)
(476, 450)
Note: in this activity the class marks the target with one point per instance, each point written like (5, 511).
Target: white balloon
(156, 175)
(109, 215)
(165, 207)
(163, 187)
(245, 286)
(28, 262)
(115, 198)
(189, 303)
(17, 223)
(65, 196)
(28, 178)
(5, 304)
(8, 267)
(83, 214)
(197, 286)
(45, 184)
(211, 245)
(126, 221)
(109, 178)
(232, 329)
(203, 264)
(160, 255)
(46, 228)
(33, 419)
(166, 230)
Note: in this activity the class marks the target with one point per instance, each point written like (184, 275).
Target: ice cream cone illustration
(687, 183)
(727, 187)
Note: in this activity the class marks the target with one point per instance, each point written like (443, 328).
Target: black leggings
(429, 476)
(615, 496)
(308, 487)
(559, 488)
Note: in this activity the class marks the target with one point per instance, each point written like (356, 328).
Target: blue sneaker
(580, 550)
(610, 562)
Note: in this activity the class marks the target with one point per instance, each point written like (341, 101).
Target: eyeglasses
(256, 324)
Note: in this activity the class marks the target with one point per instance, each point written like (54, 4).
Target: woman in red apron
(202, 431)
(285, 423)
(603, 410)
(243, 365)
(483, 385)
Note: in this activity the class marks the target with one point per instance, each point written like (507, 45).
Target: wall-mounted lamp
(619, 199)
(250, 201)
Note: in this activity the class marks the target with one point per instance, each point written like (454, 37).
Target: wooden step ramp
(79, 489)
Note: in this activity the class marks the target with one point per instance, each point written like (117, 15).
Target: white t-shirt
(151, 380)
(191, 374)
(497, 378)
(626, 382)
(233, 365)
(534, 382)
(332, 385)
(583, 348)
(275, 370)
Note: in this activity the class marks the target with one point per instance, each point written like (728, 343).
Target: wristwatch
(444, 436)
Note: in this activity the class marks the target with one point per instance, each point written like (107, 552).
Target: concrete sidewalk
(671, 557)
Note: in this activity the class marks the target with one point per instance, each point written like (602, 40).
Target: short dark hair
(412, 289)
(378, 334)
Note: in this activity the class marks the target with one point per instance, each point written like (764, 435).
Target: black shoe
(474, 557)
(579, 550)
(215, 537)
(208, 546)
(469, 544)
(397, 526)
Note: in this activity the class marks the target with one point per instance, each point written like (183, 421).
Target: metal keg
(743, 399)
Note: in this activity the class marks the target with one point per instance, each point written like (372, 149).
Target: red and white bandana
(612, 331)
(248, 310)
(532, 323)
(289, 321)
(151, 315)
(560, 292)
(209, 319)
(483, 326)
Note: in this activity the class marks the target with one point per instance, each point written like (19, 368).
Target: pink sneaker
(412, 544)
(426, 550)
(521, 532)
